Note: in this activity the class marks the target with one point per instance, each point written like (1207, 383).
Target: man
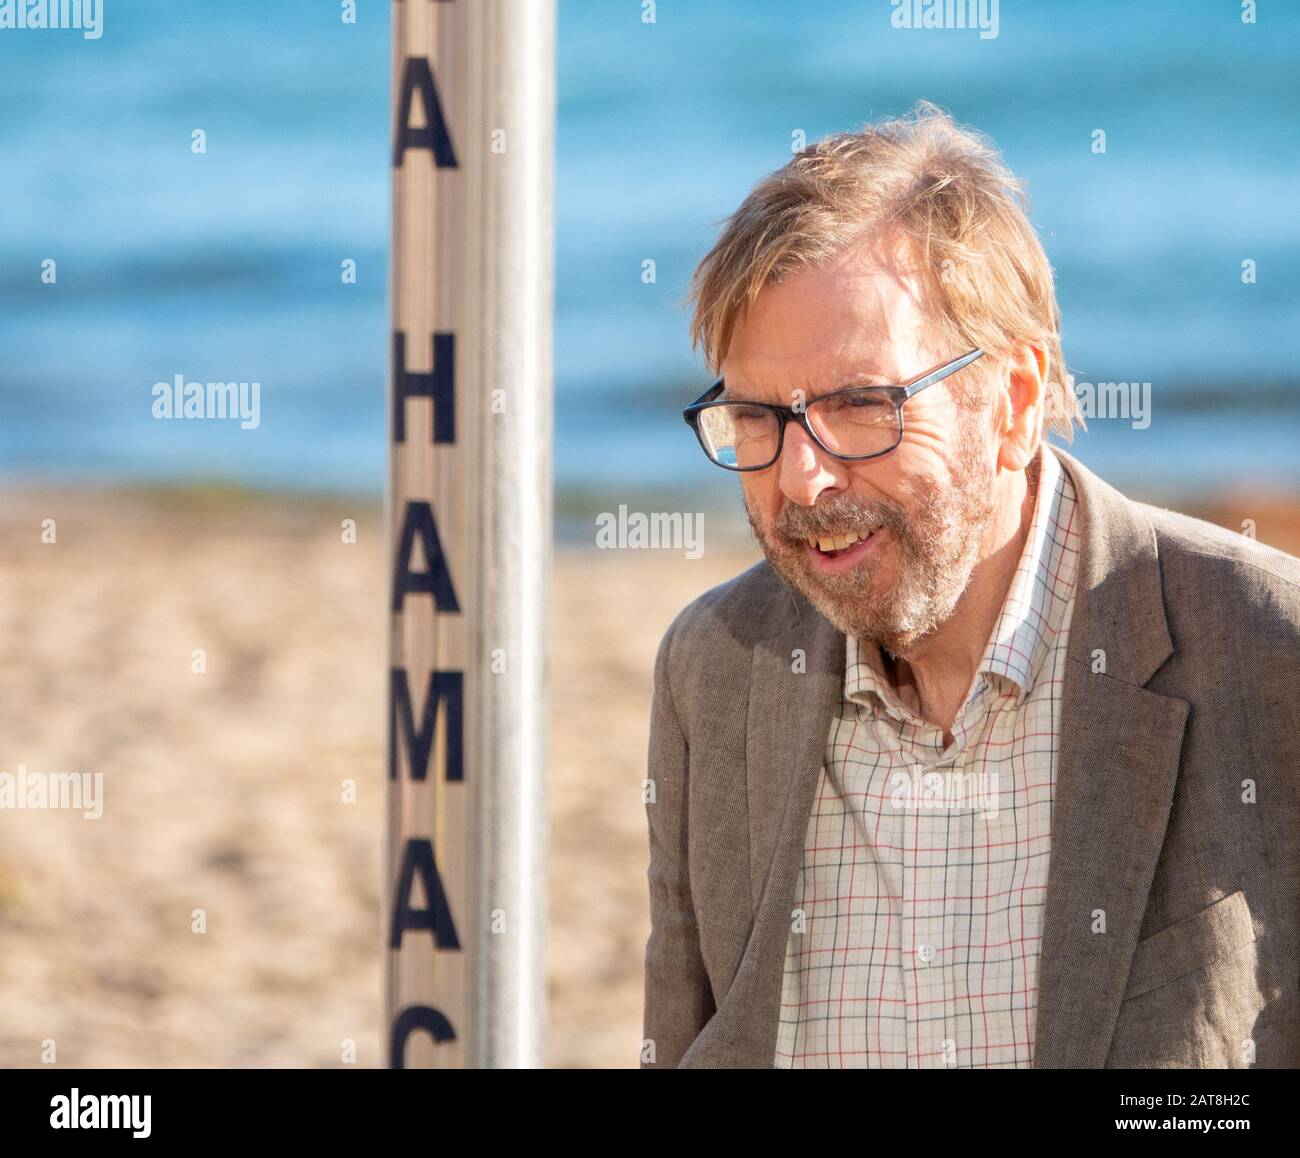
(986, 765)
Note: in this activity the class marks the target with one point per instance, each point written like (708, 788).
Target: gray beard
(936, 547)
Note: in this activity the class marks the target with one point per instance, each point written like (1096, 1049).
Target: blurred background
(222, 790)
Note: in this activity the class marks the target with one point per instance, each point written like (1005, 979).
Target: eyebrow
(861, 378)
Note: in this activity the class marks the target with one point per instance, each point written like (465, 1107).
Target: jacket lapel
(1118, 760)
(791, 700)
(796, 678)
(790, 713)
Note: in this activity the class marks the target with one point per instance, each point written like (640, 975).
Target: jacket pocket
(1191, 944)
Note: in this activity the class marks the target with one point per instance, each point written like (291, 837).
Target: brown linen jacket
(1176, 812)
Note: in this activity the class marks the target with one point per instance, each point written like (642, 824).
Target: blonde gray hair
(943, 187)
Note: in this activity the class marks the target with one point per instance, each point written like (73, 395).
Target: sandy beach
(222, 787)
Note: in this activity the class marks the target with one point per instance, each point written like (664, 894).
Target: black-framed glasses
(855, 423)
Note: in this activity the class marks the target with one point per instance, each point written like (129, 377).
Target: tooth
(826, 544)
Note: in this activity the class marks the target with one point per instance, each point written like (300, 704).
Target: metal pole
(469, 530)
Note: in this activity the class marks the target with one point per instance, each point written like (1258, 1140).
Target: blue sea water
(226, 266)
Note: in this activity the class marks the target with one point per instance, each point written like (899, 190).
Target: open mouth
(839, 554)
(837, 546)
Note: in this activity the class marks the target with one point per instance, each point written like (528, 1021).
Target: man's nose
(807, 471)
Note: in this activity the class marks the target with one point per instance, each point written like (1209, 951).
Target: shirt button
(925, 953)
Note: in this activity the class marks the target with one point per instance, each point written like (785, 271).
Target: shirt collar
(1024, 629)
(1025, 626)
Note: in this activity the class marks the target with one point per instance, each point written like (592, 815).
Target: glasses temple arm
(942, 372)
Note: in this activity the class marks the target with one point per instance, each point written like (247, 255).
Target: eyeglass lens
(744, 436)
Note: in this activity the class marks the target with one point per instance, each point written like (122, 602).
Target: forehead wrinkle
(841, 359)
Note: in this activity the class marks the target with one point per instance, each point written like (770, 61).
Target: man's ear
(1021, 405)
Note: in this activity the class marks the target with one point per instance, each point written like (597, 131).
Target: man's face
(925, 507)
